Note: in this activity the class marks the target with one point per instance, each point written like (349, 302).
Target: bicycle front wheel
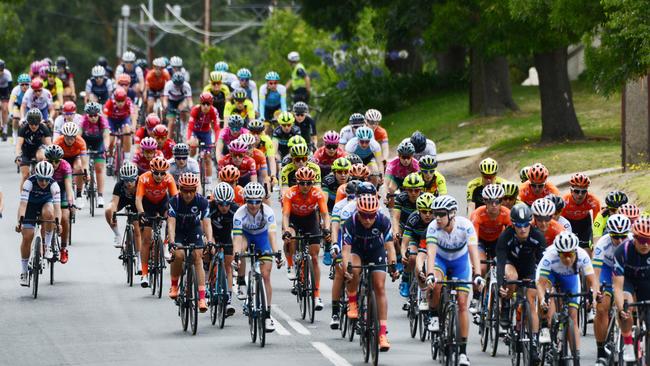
(183, 296)
(413, 311)
(262, 311)
(222, 294)
(364, 339)
(160, 265)
(250, 299)
(450, 351)
(194, 299)
(301, 280)
(310, 282)
(128, 256)
(493, 319)
(373, 329)
(526, 336)
(36, 265)
(56, 251)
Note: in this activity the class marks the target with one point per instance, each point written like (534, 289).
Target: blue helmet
(364, 133)
(24, 79)
(244, 74)
(221, 66)
(272, 75)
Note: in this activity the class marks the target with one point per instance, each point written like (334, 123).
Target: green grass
(638, 184)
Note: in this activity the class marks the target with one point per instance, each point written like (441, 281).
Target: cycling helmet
(223, 192)
(630, 210)
(511, 189)
(141, 63)
(248, 139)
(216, 76)
(615, 199)
(152, 121)
(120, 95)
(178, 79)
(579, 180)
(351, 188)
(373, 115)
(24, 79)
(405, 148)
(272, 76)
(641, 227)
(128, 57)
(566, 242)
(364, 133)
(354, 159)
(543, 207)
(293, 56)
(181, 150)
(618, 224)
(445, 202)
(42, 72)
(176, 61)
(54, 152)
(34, 116)
(2, 64)
(61, 61)
(305, 174)
(37, 84)
(296, 140)
(229, 173)
(188, 180)
(239, 95)
(488, 166)
(254, 191)
(366, 188)
(101, 60)
(44, 170)
(256, 125)
(165, 60)
(34, 67)
(521, 214)
(244, 73)
(523, 174)
(341, 164)
(428, 162)
(300, 108)
(47, 61)
(148, 143)
(98, 71)
(158, 62)
(206, 97)
(286, 118)
(359, 171)
(537, 173)
(419, 141)
(124, 80)
(221, 66)
(159, 164)
(235, 122)
(557, 201)
(331, 138)
(69, 107)
(493, 192)
(237, 146)
(70, 129)
(128, 171)
(300, 150)
(52, 70)
(413, 180)
(368, 203)
(425, 201)
(356, 119)
(160, 131)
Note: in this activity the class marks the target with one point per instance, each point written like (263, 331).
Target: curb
(457, 155)
(563, 179)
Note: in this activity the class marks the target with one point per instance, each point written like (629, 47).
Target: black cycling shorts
(307, 225)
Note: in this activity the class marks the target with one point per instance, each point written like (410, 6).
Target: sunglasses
(567, 254)
(238, 156)
(254, 202)
(37, 90)
(521, 225)
(54, 161)
(578, 191)
(439, 213)
(188, 191)
(538, 185)
(489, 176)
(224, 203)
(24, 84)
(305, 183)
(216, 83)
(642, 240)
(367, 216)
(243, 80)
(180, 157)
(413, 190)
(426, 212)
(272, 82)
(493, 202)
(342, 172)
(300, 159)
(406, 157)
(299, 114)
(427, 171)
(364, 142)
(543, 218)
(93, 115)
(42, 180)
(206, 104)
(235, 129)
(618, 236)
(129, 180)
(159, 174)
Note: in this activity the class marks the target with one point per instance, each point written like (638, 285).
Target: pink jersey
(94, 129)
(141, 162)
(226, 135)
(111, 109)
(61, 173)
(398, 171)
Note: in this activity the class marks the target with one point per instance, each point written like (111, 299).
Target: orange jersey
(153, 191)
(527, 195)
(298, 204)
(380, 134)
(72, 151)
(157, 83)
(576, 212)
(239, 195)
(489, 229)
(340, 192)
(554, 228)
(260, 159)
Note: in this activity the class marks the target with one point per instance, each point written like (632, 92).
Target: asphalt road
(91, 317)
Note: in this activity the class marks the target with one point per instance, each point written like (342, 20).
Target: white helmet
(618, 224)
(44, 170)
(293, 56)
(70, 129)
(159, 62)
(247, 138)
(373, 115)
(224, 192)
(128, 56)
(543, 207)
(493, 192)
(566, 242)
(254, 191)
(176, 61)
(128, 171)
(445, 202)
(98, 71)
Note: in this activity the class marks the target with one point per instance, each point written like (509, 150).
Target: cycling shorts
(606, 274)
(71, 160)
(190, 236)
(583, 229)
(172, 108)
(4, 93)
(261, 240)
(124, 201)
(32, 212)
(306, 224)
(459, 269)
(526, 268)
(64, 196)
(204, 137)
(28, 154)
(46, 114)
(269, 111)
(151, 209)
(488, 247)
(638, 287)
(567, 284)
(116, 124)
(154, 94)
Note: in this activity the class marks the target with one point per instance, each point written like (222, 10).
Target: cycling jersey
(181, 71)
(153, 191)
(126, 198)
(6, 79)
(251, 92)
(141, 162)
(260, 159)
(33, 139)
(61, 173)
(373, 150)
(396, 171)
(380, 134)
(188, 217)
(78, 147)
(475, 190)
(219, 96)
(114, 112)
(452, 245)
(437, 185)
(66, 77)
(298, 204)
(192, 166)
(93, 133)
(17, 95)
(368, 243)
(156, 83)
(102, 92)
(527, 195)
(330, 186)
(135, 73)
(247, 167)
(415, 230)
(42, 102)
(272, 100)
(61, 120)
(554, 228)
(283, 138)
(347, 134)
(167, 148)
(227, 136)
(565, 224)
(429, 149)
(203, 122)
(140, 134)
(266, 145)
(32, 193)
(325, 161)
(255, 228)
(177, 94)
(523, 255)
(288, 174)
(222, 224)
(635, 267)
(565, 277)
(307, 128)
(487, 228)
(604, 258)
(239, 195)
(247, 113)
(405, 207)
(55, 89)
(590, 207)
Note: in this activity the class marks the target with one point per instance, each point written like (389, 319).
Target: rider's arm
(59, 91)
(190, 127)
(67, 182)
(47, 140)
(19, 146)
(286, 211)
(171, 227)
(283, 98)
(207, 229)
(24, 198)
(139, 194)
(394, 215)
(219, 148)
(432, 247)
(262, 100)
(385, 149)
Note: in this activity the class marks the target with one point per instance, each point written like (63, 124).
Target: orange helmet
(160, 131)
(537, 173)
(368, 203)
(124, 80)
(641, 227)
(229, 174)
(159, 164)
(188, 180)
(359, 171)
(630, 210)
(305, 174)
(579, 180)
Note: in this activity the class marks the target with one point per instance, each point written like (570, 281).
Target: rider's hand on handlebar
(431, 280)
(286, 235)
(279, 261)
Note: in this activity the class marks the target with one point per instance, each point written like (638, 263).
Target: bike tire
(262, 311)
(373, 329)
(413, 311)
(72, 221)
(222, 294)
(300, 290)
(36, 265)
(526, 336)
(194, 300)
(311, 288)
(483, 326)
(450, 351)
(212, 289)
(91, 197)
(494, 318)
(160, 266)
(183, 294)
(514, 349)
(130, 257)
(343, 316)
(422, 326)
(364, 339)
(153, 267)
(252, 319)
(583, 313)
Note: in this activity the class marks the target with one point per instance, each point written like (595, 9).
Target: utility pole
(206, 35)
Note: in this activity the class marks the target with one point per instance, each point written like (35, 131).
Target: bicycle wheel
(422, 318)
(262, 310)
(363, 324)
(211, 289)
(222, 294)
(160, 266)
(310, 282)
(194, 299)
(514, 349)
(526, 336)
(129, 256)
(413, 311)
(183, 295)
(493, 319)
(55, 256)
(72, 221)
(250, 299)
(373, 329)
(300, 284)
(91, 193)
(483, 326)
(36, 265)
(343, 315)
(583, 313)
(450, 351)
(153, 267)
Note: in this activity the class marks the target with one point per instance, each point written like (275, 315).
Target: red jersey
(167, 148)
(298, 204)
(202, 122)
(140, 134)
(111, 109)
(380, 134)
(246, 167)
(321, 157)
(141, 162)
(77, 148)
(575, 212)
(260, 159)
(489, 229)
(527, 195)
(153, 191)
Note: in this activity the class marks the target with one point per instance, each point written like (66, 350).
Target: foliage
(11, 30)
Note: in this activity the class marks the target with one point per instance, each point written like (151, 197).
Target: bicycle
(127, 254)
(188, 290)
(115, 157)
(304, 284)
(218, 285)
(56, 250)
(91, 186)
(445, 342)
(343, 300)
(35, 267)
(156, 256)
(489, 311)
(640, 331)
(520, 333)
(614, 340)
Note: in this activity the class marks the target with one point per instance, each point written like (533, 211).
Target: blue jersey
(33, 193)
(358, 236)
(188, 215)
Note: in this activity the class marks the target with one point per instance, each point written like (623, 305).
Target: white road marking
(329, 353)
(280, 328)
(294, 324)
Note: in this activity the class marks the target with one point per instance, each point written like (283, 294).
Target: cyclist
(618, 231)
(6, 83)
(96, 133)
(240, 105)
(559, 206)
(63, 177)
(264, 143)
(283, 133)
(33, 136)
(69, 115)
(40, 197)
(543, 211)
(423, 146)
(296, 140)
(238, 158)
(367, 238)
(298, 160)
(581, 207)
(124, 82)
(306, 124)
(523, 174)
(222, 211)
(367, 148)
(560, 267)
(145, 154)
(630, 210)
(488, 168)
(358, 172)
(118, 112)
(52, 83)
(151, 199)
(254, 223)
(434, 182)
(258, 157)
(182, 162)
(398, 168)
(203, 119)
(244, 81)
(631, 268)
(187, 222)
(150, 122)
(373, 118)
(405, 204)
(332, 181)
(299, 215)
(326, 155)
(511, 196)
(452, 253)
(155, 83)
(537, 185)
(177, 101)
(67, 78)
(103, 62)
(229, 174)
(99, 88)
(38, 97)
(273, 96)
(613, 201)
(348, 132)
(16, 100)
(219, 91)
(176, 66)
(165, 144)
(300, 81)
(229, 134)
(135, 72)
(75, 152)
(228, 77)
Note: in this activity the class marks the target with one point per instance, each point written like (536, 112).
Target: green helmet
(425, 201)
(286, 118)
(300, 150)
(413, 180)
(523, 174)
(341, 164)
(428, 162)
(488, 166)
(511, 189)
(296, 140)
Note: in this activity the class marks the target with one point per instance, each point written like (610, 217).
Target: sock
(24, 264)
(202, 294)
(14, 134)
(382, 330)
(289, 261)
(336, 306)
(352, 298)
(127, 156)
(600, 346)
(463, 345)
(627, 339)
(78, 194)
(116, 231)
(175, 282)
(4, 128)
(48, 238)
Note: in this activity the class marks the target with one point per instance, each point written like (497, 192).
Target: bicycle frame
(128, 249)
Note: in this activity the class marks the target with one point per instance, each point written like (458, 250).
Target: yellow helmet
(216, 76)
(286, 118)
(488, 166)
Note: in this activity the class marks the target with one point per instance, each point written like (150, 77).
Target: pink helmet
(331, 138)
(35, 67)
(42, 71)
(148, 143)
(238, 146)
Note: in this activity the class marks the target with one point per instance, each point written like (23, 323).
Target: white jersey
(430, 149)
(138, 72)
(346, 134)
(229, 78)
(338, 208)
(604, 252)
(251, 91)
(175, 93)
(192, 166)
(373, 149)
(44, 101)
(455, 244)
(60, 121)
(551, 265)
(565, 224)
(5, 78)
(259, 223)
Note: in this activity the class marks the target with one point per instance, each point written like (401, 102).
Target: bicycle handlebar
(118, 134)
(488, 261)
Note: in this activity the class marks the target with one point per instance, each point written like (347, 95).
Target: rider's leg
(150, 103)
(379, 283)
(200, 273)
(65, 226)
(265, 268)
(99, 176)
(147, 233)
(601, 322)
(77, 168)
(47, 213)
(25, 247)
(126, 140)
(314, 249)
(177, 266)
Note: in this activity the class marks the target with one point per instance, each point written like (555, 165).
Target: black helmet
(142, 63)
(101, 60)
(354, 159)
(419, 141)
(521, 213)
(300, 108)
(615, 199)
(61, 62)
(366, 188)
(181, 150)
(34, 116)
(351, 187)
(178, 79)
(356, 119)
(557, 201)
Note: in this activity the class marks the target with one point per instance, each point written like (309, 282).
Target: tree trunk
(412, 63)
(559, 120)
(451, 62)
(490, 91)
